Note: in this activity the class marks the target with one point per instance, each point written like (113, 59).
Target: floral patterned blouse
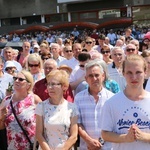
(25, 112)
(56, 121)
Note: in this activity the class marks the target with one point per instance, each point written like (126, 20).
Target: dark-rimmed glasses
(88, 42)
(67, 51)
(33, 65)
(82, 66)
(130, 49)
(103, 52)
(19, 79)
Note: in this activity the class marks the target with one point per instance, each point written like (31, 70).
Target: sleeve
(106, 118)
(76, 101)
(39, 109)
(75, 111)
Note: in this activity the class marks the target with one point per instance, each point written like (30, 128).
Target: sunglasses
(67, 51)
(19, 79)
(45, 58)
(103, 52)
(82, 66)
(130, 49)
(88, 42)
(9, 68)
(33, 65)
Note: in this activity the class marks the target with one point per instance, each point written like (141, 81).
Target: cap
(65, 67)
(9, 64)
(36, 46)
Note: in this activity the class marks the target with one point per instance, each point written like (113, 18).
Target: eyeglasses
(9, 68)
(130, 49)
(33, 65)
(53, 84)
(19, 79)
(67, 51)
(82, 66)
(118, 54)
(45, 58)
(88, 42)
(103, 52)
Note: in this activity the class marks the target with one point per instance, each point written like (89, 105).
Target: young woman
(125, 116)
(56, 118)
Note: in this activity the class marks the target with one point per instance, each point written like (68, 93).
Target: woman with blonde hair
(34, 64)
(56, 118)
(20, 105)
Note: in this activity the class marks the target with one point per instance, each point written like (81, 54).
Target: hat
(36, 46)
(65, 67)
(9, 64)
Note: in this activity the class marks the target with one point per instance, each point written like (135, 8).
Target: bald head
(49, 65)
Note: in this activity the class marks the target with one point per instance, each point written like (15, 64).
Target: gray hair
(93, 63)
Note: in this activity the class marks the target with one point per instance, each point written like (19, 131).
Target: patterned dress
(25, 112)
(56, 122)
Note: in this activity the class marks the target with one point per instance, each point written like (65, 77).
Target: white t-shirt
(119, 113)
(56, 121)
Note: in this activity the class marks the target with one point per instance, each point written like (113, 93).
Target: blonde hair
(133, 58)
(60, 75)
(34, 57)
(29, 79)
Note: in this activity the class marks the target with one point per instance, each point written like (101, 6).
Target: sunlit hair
(34, 57)
(93, 63)
(45, 45)
(29, 78)
(117, 48)
(59, 75)
(133, 58)
(145, 53)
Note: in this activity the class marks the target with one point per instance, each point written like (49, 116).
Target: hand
(94, 145)
(139, 135)
(3, 113)
(130, 136)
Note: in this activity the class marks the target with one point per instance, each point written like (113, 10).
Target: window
(57, 18)
(88, 15)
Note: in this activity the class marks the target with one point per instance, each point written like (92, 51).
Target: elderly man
(70, 60)
(89, 103)
(115, 68)
(40, 87)
(55, 49)
(8, 56)
(131, 49)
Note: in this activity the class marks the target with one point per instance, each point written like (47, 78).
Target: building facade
(110, 13)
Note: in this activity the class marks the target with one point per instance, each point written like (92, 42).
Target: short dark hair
(102, 37)
(84, 56)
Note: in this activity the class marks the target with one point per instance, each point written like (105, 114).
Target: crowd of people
(89, 90)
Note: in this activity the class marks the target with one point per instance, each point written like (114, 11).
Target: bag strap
(24, 131)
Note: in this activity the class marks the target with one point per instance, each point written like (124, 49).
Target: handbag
(32, 145)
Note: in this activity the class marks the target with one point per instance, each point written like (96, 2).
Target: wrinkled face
(94, 77)
(134, 74)
(55, 50)
(117, 56)
(130, 49)
(54, 87)
(48, 67)
(8, 54)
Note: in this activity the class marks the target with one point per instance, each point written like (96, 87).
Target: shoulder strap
(25, 133)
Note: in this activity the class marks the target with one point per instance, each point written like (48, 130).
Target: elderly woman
(34, 64)
(23, 102)
(56, 118)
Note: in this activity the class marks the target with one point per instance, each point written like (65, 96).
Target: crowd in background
(65, 78)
